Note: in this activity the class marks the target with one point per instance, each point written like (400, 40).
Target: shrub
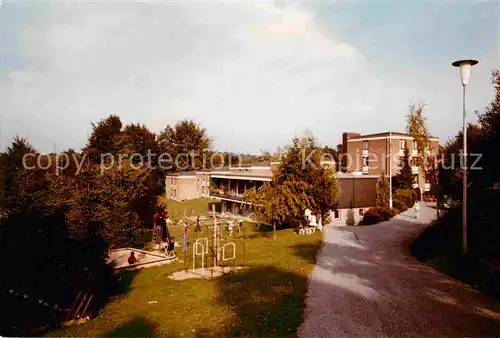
(385, 214)
(406, 196)
(399, 205)
(371, 217)
(394, 212)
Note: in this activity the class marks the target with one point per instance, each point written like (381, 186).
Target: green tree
(405, 178)
(382, 192)
(417, 128)
(187, 142)
(105, 138)
(299, 182)
(138, 139)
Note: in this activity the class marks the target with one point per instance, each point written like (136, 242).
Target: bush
(376, 215)
(394, 212)
(385, 214)
(406, 196)
(399, 205)
(371, 218)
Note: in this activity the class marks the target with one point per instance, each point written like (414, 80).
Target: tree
(299, 182)
(382, 192)
(187, 143)
(405, 178)
(137, 139)
(417, 128)
(105, 138)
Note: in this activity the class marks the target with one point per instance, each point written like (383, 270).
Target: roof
(384, 135)
(184, 173)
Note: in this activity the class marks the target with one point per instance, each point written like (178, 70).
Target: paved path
(367, 284)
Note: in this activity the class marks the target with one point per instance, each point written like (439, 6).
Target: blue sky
(253, 74)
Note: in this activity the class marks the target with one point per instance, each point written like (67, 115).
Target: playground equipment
(218, 252)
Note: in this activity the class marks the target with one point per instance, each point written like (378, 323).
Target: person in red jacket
(131, 259)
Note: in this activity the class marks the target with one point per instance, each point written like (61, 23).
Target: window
(414, 161)
(415, 145)
(336, 214)
(365, 145)
(402, 144)
(365, 162)
(361, 212)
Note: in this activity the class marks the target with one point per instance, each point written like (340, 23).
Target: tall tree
(187, 143)
(105, 138)
(299, 182)
(138, 139)
(382, 192)
(405, 178)
(417, 128)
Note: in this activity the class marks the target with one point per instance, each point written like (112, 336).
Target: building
(230, 184)
(374, 154)
(188, 185)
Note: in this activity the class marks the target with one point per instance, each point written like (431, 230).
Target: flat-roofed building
(374, 154)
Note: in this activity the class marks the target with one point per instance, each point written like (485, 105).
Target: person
(416, 207)
(159, 224)
(229, 228)
(185, 232)
(198, 226)
(307, 215)
(131, 259)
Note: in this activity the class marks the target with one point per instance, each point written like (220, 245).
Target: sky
(254, 74)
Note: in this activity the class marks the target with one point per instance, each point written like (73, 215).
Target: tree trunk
(274, 230)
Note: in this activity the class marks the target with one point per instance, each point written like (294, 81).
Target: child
(416, 207)
(131, 259)
(185, 231)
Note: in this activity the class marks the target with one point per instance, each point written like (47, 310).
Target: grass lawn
(196, 207)
(267, 299)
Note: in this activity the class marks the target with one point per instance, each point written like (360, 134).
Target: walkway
(367, 284)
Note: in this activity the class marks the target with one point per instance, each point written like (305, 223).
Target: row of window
(366, 162)
(402, 144)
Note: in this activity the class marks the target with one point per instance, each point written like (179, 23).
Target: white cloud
(253, 74)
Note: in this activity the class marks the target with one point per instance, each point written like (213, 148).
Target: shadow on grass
(262, 302)
(137, 327)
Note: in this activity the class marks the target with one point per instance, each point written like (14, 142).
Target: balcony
(365, 169)
(228, 195)
(401, 152)
(414, 170)
(414, 152)
(365, 152)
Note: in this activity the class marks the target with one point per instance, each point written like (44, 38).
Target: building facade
(374, 154)
(187, 185)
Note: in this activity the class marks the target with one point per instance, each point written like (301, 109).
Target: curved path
(367, 284)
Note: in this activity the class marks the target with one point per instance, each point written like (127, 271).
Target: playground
(259, 292)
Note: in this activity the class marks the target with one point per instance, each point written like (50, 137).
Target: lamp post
(465, 67)
(390, 170)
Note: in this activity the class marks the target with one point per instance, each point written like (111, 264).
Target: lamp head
(465, 66)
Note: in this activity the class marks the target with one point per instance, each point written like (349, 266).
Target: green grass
(267, 299)
(195, 207)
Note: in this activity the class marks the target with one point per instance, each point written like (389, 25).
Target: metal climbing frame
(197, 252)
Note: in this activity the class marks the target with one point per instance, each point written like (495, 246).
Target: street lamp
(465, 67)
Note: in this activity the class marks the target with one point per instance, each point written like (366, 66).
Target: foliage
(187, 143)
(371, 217)
(407, 196)
(137, 139)
(298, 183)
(417, 128)
(382, 193)
(377, 214)
(105, 138)
(399, 205)
(405, 178)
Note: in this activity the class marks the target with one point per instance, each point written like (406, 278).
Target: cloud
(254, 74)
